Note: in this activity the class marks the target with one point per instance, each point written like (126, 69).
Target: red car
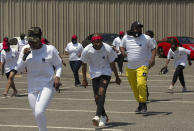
(165, 44)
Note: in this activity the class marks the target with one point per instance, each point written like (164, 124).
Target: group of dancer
(44, 68)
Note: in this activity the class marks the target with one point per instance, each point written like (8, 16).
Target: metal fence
(60, 19)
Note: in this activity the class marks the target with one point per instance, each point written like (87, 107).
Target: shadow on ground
(152, 113)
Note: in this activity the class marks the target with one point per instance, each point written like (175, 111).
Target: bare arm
(152, 60)
(2, 68)
(123, 51)
(189, 59)
(167, 61)
(114, 69)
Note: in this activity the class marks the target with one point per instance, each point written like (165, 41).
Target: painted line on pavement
(112, 100)
(58, 127)
(58, 110)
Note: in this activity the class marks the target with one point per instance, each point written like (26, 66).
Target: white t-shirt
(74, 51)
(137, 49)
(98, 60)
(116, 43)
(150, 52)
(39, 65)
(10, 59)
(180, 56)
(21, 44)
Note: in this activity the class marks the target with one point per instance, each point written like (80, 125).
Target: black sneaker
(144, 108)
(138, 110)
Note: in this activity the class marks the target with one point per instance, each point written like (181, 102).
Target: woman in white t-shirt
(181, 56)
(42, 78)
(8, 62)
(74, 50)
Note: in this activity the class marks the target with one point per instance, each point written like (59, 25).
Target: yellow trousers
(138, 80)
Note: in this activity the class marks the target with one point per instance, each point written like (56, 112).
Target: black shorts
(8, 73)
(101, 81)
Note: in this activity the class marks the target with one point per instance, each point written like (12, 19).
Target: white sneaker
(171, 88)
(103, 121)
(184, 89)
(96, 120)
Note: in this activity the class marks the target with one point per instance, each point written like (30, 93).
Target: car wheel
(160, 52)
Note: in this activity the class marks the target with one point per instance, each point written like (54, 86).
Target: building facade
(60, 19)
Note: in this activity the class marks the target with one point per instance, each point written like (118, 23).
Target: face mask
(136, 34)
(74, 41)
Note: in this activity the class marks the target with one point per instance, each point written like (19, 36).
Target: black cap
(35, 32)
(136, 24)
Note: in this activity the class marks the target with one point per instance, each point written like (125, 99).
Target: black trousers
(179, 74)
(119, 61)
(75, 66)
(100, 82)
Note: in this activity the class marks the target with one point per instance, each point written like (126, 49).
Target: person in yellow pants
(138, 45)
(138, 81)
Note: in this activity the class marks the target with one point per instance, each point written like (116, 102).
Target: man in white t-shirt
(74, 50)
(137, 46)
(116, 46)
(8, 62)
(100, 58)
(22, 42)
(39, 60)
(181, 56)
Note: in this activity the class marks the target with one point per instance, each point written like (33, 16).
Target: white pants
(39, 101)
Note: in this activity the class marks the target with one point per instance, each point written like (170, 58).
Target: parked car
(14, 42)
(165, 44)
(107, 38)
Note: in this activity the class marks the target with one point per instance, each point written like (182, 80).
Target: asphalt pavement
(73, 108)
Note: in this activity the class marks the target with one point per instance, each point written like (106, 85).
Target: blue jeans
(75, 65)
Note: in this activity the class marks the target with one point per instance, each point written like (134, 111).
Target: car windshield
(108, 38)
(13, 41)
(186, 40)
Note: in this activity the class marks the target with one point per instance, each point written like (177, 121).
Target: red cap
(74, 37)
(121, 33)
(96, 38)
(5, 46)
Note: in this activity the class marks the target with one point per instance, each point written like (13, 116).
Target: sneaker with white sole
(103, 121)
(96, 120)
(171, 88)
